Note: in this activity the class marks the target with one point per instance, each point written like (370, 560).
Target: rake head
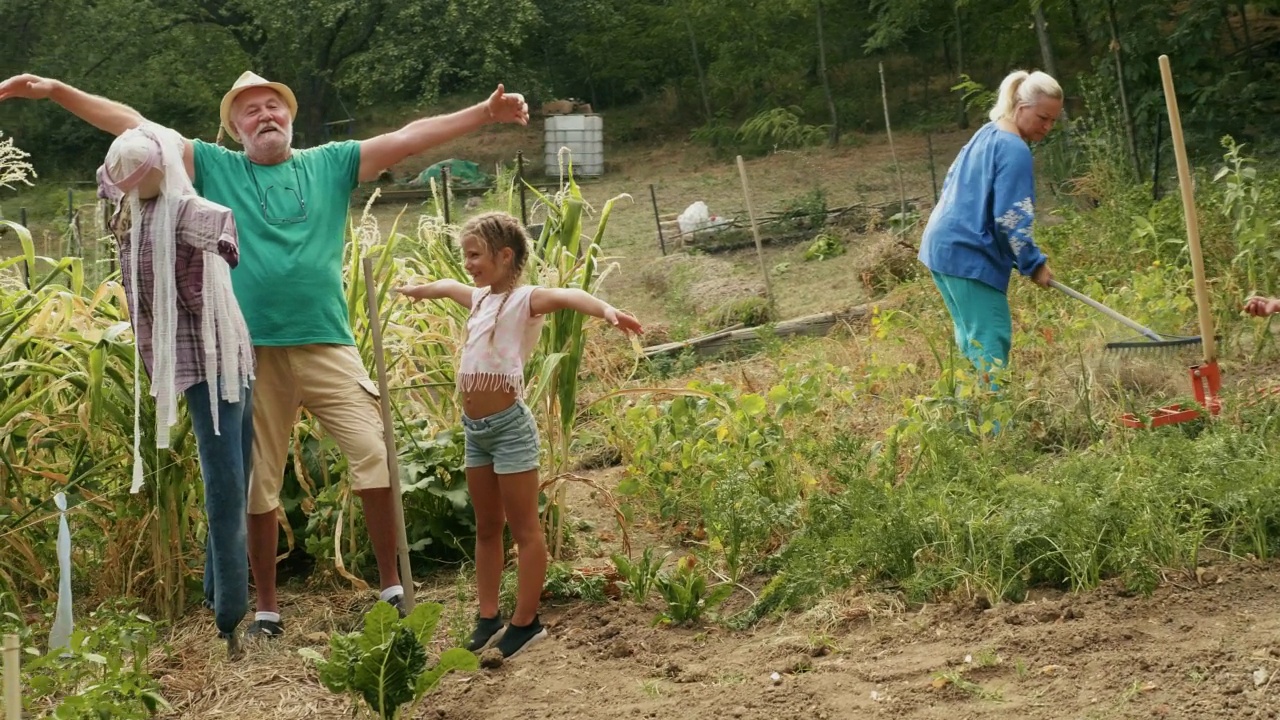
(1166, 345)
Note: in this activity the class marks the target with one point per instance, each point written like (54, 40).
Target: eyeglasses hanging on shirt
(281, 204)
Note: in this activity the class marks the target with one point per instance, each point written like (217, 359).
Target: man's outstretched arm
(105, 114)
(381, 152)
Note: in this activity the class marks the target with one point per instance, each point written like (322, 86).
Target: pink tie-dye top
(501, 334)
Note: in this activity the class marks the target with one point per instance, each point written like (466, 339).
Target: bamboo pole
(12, 679)
(755, 232)
(388, 435)
(1189, 211)
(902, 189)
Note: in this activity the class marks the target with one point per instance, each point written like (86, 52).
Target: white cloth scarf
(132, 156)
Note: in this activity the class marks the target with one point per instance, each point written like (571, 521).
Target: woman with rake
(501, 435)
(981, 226)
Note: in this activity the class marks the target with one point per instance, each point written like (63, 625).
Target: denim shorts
(507, 440)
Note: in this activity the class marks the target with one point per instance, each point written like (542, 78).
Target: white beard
(269, 145)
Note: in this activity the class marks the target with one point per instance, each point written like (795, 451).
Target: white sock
(391, 592)
(268, 616)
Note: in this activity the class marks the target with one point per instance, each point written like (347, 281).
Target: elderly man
(291, 210)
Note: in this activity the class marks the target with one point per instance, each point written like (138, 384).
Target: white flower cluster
(13, 165)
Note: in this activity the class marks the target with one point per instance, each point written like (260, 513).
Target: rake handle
(1105, 310)
(1189, 211)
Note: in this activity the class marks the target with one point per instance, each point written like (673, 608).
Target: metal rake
(1151, 342)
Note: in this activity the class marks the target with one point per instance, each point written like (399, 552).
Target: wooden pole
(12, 679)
(702, 79)
(1124, 97)
(524, 207)
(1189, 211)
(388, 436)
(755, 232)
(662, 242)
(833, 135)
(902, 190)
(444, 177)
(933, 172)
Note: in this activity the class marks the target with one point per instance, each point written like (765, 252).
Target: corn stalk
(562, 259)
(66, 424)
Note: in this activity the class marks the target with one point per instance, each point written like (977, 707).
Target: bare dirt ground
(1202, 647)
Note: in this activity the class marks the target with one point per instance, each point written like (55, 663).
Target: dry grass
(272, 681)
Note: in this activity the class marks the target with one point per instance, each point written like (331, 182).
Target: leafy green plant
(974, 94)
(750, 311)
(568, 583)
(1251, 229)
(736, 461)
(439, 519)
(719, 134)
(824, 246)
(103, 674)
(687, 595)
(779, 129)
(808, 210)
(386, 662)
(638, 577)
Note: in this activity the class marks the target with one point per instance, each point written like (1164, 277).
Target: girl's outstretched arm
(439, 290)
(549, 300)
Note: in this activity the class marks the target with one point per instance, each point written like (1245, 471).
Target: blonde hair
(1023, 88)
(498, 230)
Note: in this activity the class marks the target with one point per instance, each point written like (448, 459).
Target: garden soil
(1201, 646)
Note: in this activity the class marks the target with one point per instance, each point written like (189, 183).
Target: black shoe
(397, 602)
(488, 631)
(516, 638)
(265, 628)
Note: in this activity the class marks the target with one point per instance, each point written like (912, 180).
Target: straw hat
(246, 81)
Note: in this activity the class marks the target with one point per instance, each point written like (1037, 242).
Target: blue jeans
(224, 464)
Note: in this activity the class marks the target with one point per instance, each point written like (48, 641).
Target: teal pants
(980, 313)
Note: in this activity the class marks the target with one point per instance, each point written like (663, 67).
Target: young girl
(501, 435)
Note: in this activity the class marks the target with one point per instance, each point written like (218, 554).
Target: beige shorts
(331, 382)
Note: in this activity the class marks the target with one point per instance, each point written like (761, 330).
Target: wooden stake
(902, 189)
(388, 435)
(662, 242)
(12, 679)
(755, 232)
(1189, 211)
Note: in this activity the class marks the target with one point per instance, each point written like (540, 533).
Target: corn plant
(66, 423)
(563, 257)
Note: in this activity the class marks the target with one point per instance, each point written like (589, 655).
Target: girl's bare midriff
(480, 404)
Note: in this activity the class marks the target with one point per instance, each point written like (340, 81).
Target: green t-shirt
(292, 223)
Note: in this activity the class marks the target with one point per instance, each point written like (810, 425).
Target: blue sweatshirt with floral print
(981, 226)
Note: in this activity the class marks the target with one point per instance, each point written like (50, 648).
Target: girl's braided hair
(498, 230)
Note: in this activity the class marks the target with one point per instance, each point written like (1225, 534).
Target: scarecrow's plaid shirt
(201, 227)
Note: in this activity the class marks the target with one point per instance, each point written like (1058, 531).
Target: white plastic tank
(584, 136)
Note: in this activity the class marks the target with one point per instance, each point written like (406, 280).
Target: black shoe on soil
(516, 639)
(488, 631)
(265, 628)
